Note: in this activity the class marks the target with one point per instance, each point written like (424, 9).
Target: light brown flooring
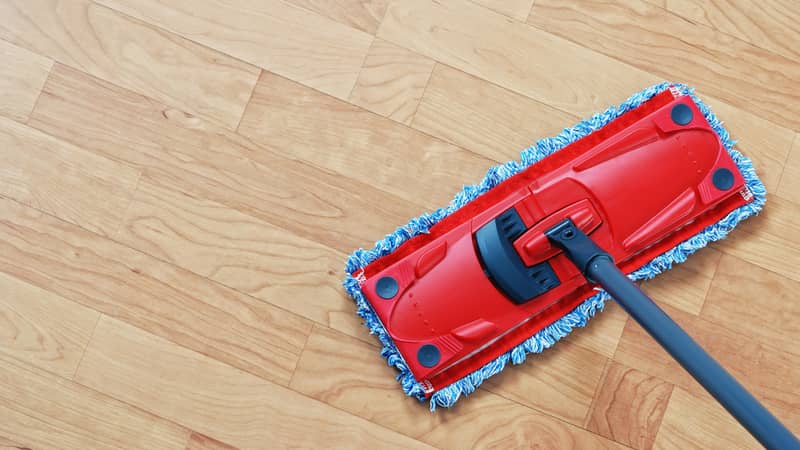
(181, 181)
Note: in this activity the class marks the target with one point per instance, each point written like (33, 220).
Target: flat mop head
(456, 294)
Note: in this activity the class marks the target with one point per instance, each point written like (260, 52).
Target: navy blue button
(722, 179)
(386, 287)
(428, 355)
(681, 114)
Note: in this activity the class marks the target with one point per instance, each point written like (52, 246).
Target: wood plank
(63, 180)
(199, 441)
(364, 15)
(343, 138)
(789, 187)
(515, 9)
(629, 407)
(483, 117)
(770, 373)
(564, 379)
(392, 81)
(770, 24)
(698, 421)
(174, 303)
(22, 75)
(649, 38)
(349, 375)
(511, 54)
(242, 252)
(43, 329)
(770, 240)
(756, 302)
(127, 52)
(191, 155)
(685, 285)
(8, 444)
(42, 410)
(218, 400)
(321, 53)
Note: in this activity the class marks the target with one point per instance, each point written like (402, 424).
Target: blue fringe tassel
(578, 317)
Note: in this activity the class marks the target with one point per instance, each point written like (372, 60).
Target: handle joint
(580, 249)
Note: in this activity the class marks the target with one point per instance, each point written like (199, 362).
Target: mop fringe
(547, 337)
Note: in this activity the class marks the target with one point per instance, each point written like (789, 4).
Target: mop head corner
(578, 317)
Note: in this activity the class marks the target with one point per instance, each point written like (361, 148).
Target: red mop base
(486, 278)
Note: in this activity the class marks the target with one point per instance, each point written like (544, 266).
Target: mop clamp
(503, 265)
(579, 248)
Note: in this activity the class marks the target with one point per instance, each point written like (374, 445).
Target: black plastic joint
(503, 266)
(576, 244)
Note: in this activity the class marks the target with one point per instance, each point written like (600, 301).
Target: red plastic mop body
(486, 278)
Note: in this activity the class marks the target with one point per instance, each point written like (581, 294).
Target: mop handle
(598, 267)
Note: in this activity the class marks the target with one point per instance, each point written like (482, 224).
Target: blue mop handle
(707, 371)
(598, 267)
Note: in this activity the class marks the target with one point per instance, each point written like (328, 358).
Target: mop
(517, 261)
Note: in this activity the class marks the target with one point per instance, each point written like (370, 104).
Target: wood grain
(392, 81)
(483, 117)
(322, 53)
(516, 56)
(241, 252)
(199, 441)
(516, 9)
(22, 75)
(174, 303)
(789, 187)
(362, 14)
(691, 10)
(195, 174)
(8, 444)
(564, 379)
(42, 329)
(697, 421)
(218, 400)
(117, 48)
(179, 150)
(771, 24)
(685, 285)
(648, 37)
(769, 240)
(770, 373)
(42, 410)
(349, 375)
(756, 302)
(358, 144)
(63, 180)
(629, 407)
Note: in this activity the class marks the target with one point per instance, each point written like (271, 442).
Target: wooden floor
(181, 181)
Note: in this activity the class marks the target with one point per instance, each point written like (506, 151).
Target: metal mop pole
(598, 267)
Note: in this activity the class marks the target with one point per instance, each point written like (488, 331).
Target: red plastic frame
(639, 186)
